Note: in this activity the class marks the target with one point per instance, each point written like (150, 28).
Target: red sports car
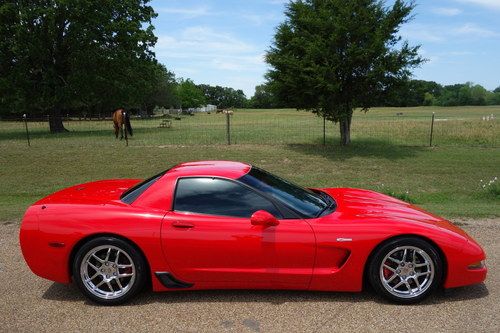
(230, 225)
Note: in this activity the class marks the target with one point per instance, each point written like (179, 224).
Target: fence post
(228, 128)
(432, 130)
(324, 130)
(26, 126)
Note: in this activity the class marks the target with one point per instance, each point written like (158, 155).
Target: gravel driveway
(29, 303)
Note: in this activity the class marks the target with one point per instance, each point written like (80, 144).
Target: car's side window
(215, 196)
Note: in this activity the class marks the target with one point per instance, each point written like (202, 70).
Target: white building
(206, 108)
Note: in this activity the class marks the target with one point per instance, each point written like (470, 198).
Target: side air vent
(169, 281)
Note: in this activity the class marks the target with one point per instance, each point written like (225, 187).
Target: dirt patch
(29, 303)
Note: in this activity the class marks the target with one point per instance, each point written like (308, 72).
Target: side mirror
(262, 217)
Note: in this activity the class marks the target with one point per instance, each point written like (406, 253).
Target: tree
(493, 98)
(463, 94)
(332, 56)
(224, 97)
(478, 94)
(450, 95)
(189, 94)
(412, 93)
(161, 89)
(264, 97)
(9, 98)
(429, 99)
(71, 54)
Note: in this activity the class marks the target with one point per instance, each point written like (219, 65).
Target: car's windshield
(304, 201)
(135, 191)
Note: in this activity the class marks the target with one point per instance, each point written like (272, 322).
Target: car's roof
(227, 169)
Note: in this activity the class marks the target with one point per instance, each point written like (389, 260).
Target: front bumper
(459, 272)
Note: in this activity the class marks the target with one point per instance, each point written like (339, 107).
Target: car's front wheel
(109, 270)
(405, 270)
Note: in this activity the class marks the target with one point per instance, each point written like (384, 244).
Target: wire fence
(267, 127)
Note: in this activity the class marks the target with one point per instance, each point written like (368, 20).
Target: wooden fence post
(27, 131)
(432, 130)
(228, 128)
(324, 130)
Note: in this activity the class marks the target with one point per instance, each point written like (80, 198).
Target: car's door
(208, 237)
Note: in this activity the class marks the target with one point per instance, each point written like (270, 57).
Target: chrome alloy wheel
(407, 272)
(107, 272)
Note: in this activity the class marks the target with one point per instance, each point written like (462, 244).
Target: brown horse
(120, 119)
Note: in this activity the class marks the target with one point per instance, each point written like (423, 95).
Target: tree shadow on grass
(359, 148)
(45, 134)
(98, 133)
(70, 293)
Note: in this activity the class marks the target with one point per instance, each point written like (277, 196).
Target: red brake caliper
(127, 270)
(387, 273)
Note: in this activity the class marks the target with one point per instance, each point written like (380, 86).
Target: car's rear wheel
(109, 270)
(405, 270)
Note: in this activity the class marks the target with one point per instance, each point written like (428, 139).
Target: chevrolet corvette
(230, 225)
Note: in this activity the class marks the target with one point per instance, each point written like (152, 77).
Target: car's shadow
(70, 293)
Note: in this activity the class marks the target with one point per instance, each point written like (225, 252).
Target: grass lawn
(444, 179)
(453, 126)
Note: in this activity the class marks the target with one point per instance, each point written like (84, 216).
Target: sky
(223, 42)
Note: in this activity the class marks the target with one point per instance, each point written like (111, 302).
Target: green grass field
(453, 126)
(389, 154)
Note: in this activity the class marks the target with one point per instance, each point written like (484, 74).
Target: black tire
(413, 278)
(124, 253)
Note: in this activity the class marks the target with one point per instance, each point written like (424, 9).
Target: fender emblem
(344, 239)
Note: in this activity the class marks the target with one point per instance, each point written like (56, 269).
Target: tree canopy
(224, 97)
(189, 94)
(161, 90)
(60, 54)
(331, 56)
(409, 93)
(264, 97)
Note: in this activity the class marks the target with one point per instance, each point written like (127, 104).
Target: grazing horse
(120, 119)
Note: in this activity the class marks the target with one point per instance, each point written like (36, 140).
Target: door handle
(182, 224)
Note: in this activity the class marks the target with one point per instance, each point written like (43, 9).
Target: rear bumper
(43, 259)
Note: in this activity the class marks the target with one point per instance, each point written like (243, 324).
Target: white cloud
(429, 33)
(494, 4)
(259, 19)
(278, 2)
(202, 40)
(421, 33)
(185, 13)
(256, 19)
(187, 71)
(447, 57)
(459, 53)
(472, 29)
(445, 11)
(204, 46)
(212, 56)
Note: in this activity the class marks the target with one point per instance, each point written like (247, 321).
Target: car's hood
(102, 191)
(373, 205)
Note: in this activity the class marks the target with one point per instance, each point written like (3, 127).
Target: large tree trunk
(345, 129)
(55, 122)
